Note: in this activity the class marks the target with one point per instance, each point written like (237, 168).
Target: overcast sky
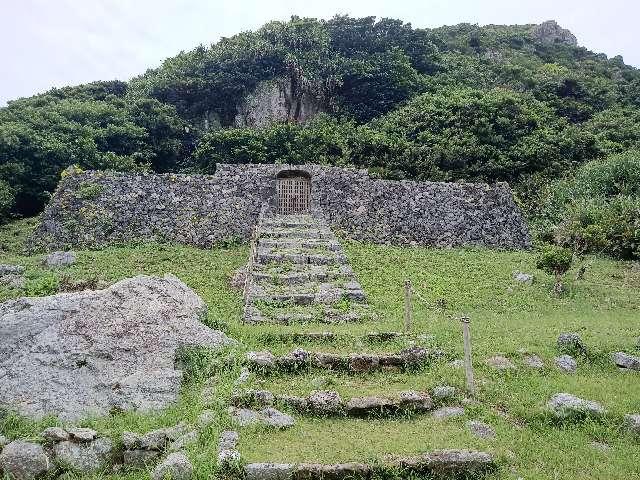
(47, 43)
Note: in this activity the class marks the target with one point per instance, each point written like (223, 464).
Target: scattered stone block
(82, 434)
(442, 393)
(624, 360)
(450, 464)
(363, 406)
(183, 441)
(130, 440)
(500, 362)
(263, 360)
(414, 401)
(533, 361)
(24, 460)
(325, 402)
(175, 467)
(55, 434)
(565, 405)
(481, 429)
(85, 457)
(206, 418)
(140, 458)
(632, 423)
(269, 471)
(566, 363)
(360, 363)
(268, 416)
(60, 259)
(447, 412)
(571, 344)
(522, 277)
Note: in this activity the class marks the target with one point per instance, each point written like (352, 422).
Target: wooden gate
(293, 195)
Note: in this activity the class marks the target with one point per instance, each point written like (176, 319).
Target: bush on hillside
(596, 210)
(555, 261)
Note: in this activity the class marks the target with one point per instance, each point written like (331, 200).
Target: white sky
(47, 43)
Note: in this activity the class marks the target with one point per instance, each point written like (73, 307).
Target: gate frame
(299, 201)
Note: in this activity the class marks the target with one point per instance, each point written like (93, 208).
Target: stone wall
(96, 208)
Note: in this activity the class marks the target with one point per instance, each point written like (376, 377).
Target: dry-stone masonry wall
(97, 208)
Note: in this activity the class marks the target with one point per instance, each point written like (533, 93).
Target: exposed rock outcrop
(75, 354)
(551, 32)
(277, 100)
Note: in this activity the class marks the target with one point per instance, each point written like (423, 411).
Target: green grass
(506, 318)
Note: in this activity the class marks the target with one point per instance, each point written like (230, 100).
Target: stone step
(307, 293)
(329, 337)
(440, 464)
(329, 403)
(300, 360)
(318, 313)
(323, 233)
(299, 243)
(321, 274)
(292, 223)
(300, 257)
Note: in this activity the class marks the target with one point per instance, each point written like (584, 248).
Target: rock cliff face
(277, 100)
(551, 32)
(77, 354)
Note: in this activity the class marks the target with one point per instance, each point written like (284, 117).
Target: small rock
(624, 360)
(565, 405)
(571, 343)
(448, 412)
(238, 278)
(60, 259)
(183, 441)
(523, 277)
(55, 434)
(632, 422)
(24, 461)
(500, 362)
(11, 269)
(154, 440)
(206, 418)
(456, 363)
(175, 467)
(414, 355)
(275, 418)
(86, 457)
(566, 363)
(228, 456)
(82, 434)
(269, 471)
(244, 376)
(325, 402)
(481, 429)
(263, 359)
(603, 447)
(443, 392)
(294, 360)
(3, 441)
(243, 416)
(360, 363)
(360, 406)
(140, 458)
(228, 440)
(130, 440)
(415, 401)
(533, 361)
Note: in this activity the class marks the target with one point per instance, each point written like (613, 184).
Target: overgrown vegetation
(452, 103)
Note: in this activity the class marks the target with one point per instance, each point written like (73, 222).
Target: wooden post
(407, 306)
(468, 367)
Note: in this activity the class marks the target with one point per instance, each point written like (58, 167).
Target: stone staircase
(298, 273)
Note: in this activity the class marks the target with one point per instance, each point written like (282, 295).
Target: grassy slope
(506, 317)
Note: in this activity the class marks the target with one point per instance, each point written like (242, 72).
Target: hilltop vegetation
(522, 104)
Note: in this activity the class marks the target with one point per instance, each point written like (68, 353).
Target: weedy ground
(507, 318)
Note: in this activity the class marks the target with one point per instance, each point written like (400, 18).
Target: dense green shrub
(597, 209)
(555, 261)
(7, 199)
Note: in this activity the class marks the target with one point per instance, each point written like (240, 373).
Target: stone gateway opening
(293, 191)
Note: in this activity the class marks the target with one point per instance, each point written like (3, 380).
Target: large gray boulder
(60, 259)
(24, 461)
(76, 354)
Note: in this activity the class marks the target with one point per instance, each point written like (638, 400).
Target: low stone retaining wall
(96, 208)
